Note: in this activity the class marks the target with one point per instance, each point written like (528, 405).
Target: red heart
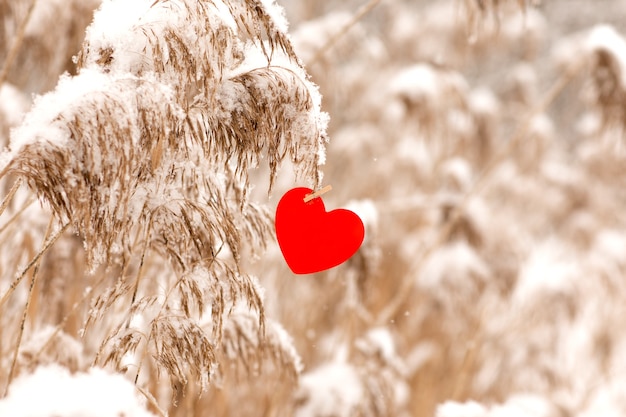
(312, 239)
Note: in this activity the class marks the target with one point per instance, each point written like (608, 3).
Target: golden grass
(492, 236)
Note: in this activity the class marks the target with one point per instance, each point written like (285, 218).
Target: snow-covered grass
(482, 143)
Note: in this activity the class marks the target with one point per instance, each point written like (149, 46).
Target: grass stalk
(17, 43)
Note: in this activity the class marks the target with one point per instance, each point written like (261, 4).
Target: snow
(40, 123)
(223, 13)
(606, 38)
(112, 27)
(423, 83)
(541, 126)
(54, 345)
(131, 31)
(549, 270)
(453, 271)
(458, 172)
(52, 391)
(379, 340)
(454, 409)
(13, 104)
(483, 102)
(419, 83)
(367, 212)
(331, 389)
(530, 24)
(523, 405)
(611, 243)
(277, 14)
(420, 356)
(283, 339)
(518, 405)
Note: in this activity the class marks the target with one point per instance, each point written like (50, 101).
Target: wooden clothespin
(317, 193)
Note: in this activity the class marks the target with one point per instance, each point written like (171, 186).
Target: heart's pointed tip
(310, 270)
(304, 272)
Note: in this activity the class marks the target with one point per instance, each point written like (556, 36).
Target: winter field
(482, 143)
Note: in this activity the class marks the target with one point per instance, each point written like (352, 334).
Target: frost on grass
(52, 391)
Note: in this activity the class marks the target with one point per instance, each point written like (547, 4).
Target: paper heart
(312, 239)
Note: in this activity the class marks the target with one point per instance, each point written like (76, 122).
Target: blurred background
(483, 145)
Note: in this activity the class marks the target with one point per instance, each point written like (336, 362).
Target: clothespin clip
(317, 193)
